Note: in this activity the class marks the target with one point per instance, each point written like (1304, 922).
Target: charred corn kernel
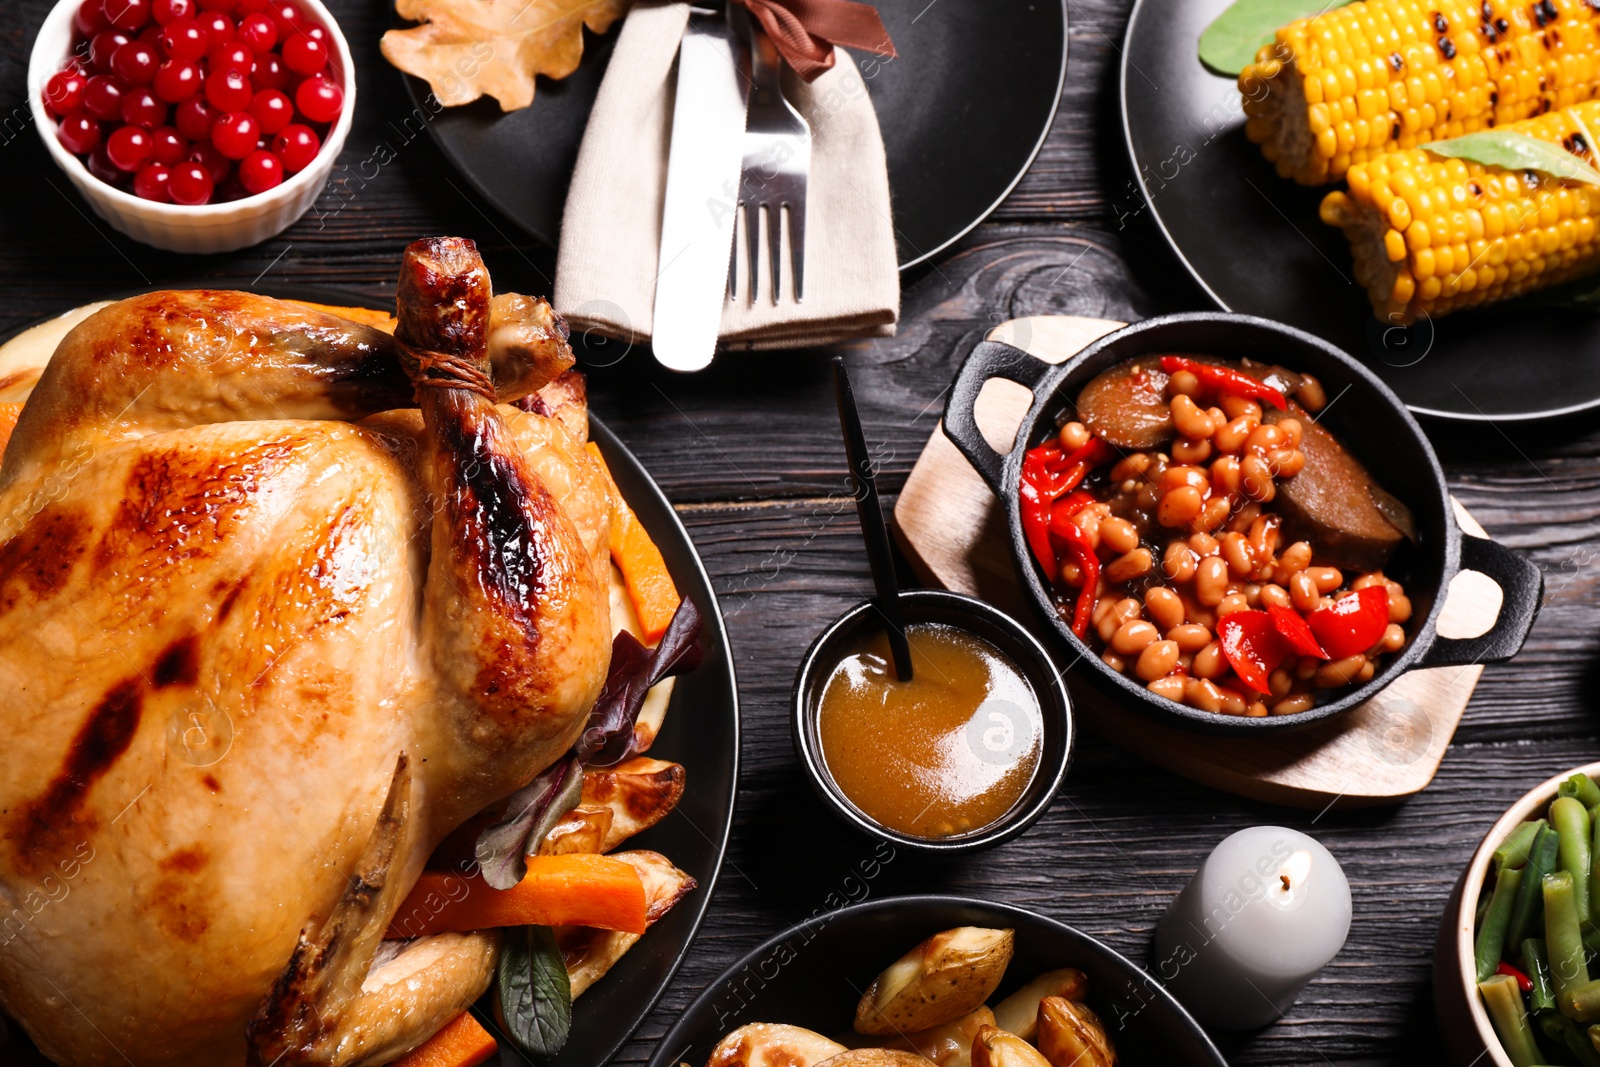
(1435, 234)
(1341, 87)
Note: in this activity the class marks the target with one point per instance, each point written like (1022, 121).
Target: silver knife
(697, 219)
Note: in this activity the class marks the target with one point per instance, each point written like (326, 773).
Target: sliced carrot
(8, 422)
(655, 597)
(461, 1042)
(571, 890)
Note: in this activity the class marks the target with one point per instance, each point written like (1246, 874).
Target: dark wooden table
(749, 454)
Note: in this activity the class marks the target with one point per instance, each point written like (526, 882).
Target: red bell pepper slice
(1253, 646)
(1062, 511)
(1293, 629)
(1082, 553)
(1226, 380)
(1524, 983)
(1353, 623)
(1049, 473)
(1033, 489)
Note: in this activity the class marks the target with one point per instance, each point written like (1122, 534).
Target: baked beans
(1187, 535)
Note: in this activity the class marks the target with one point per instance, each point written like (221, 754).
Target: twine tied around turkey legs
(805, 31)
(441, 370)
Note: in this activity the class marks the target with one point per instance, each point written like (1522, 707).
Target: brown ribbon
(805, 31)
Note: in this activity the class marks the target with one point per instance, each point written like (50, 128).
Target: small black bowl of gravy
(965, 754)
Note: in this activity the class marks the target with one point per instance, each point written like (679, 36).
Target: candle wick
(1284, 878)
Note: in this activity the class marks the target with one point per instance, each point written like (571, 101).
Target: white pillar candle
(1268, 909)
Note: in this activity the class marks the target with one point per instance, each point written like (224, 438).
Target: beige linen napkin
(611, 232)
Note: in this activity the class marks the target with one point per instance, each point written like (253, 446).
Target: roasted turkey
(283, 601)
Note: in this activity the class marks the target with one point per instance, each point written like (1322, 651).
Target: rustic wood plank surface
(749, 454)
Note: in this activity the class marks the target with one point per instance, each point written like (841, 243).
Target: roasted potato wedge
(589, 953)
(948, 975)
(639, 793)
(773, 1045)
(876, 1057)
(949, 1045)
(994, 1047)
(617, 803)
(1071, 1035)
(1019, 1013)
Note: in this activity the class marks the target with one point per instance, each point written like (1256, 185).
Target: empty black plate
(811, 975)
(701, 730)
(963, 109)
(1255, 244)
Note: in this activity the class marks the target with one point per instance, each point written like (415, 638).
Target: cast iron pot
(1362, 413)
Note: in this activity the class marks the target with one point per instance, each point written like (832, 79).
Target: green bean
(1536, 965)
(1591, 941)
(1564, 1031)
(1594, 1036)
(1564, 939)
(1504, 1002)
(1491, 940)
(1582, 1003)
(1571, 820)
(1513, 851)
(1541, 861)
(1594, 867)
(1583, 788)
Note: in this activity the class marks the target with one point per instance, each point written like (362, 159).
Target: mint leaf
(535, 994)
(1234, 37)
(1516, 151)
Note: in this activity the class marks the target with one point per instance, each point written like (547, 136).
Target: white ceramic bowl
(209, 227)
(1463, 1023)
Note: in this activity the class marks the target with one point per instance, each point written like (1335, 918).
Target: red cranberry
(167, 12)
(129, 15)
(78, 133)
(260, 171)
(151, 182)
(194, 118)
(297, 146)
(189, 184)
(102, 97)
(135, 63)
(142, 108)
(177, 80)
(63, 93)
(272, 111)
(318, 99)
(167, 145)
(185, 40)
(128, 148)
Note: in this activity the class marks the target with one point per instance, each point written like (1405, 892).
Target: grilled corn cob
(1431, 235)
(1347, 85)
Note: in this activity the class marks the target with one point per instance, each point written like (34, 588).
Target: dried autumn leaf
(467, 48)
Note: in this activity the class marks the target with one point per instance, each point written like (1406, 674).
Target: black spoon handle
(873, 528)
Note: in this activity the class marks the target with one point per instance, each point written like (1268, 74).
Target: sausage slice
(1127, 405)
(1334, 503)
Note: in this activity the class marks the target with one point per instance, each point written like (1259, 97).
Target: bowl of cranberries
(193, 125)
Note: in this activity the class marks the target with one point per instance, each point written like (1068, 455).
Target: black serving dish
(1366, 417)
(812, 974)
(975, 617)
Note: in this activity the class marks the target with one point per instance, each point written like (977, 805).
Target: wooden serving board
(952, 529)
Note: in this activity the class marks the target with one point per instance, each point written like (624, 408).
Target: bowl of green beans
(1517, 966)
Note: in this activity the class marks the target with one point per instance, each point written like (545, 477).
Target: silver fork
(777, 162)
